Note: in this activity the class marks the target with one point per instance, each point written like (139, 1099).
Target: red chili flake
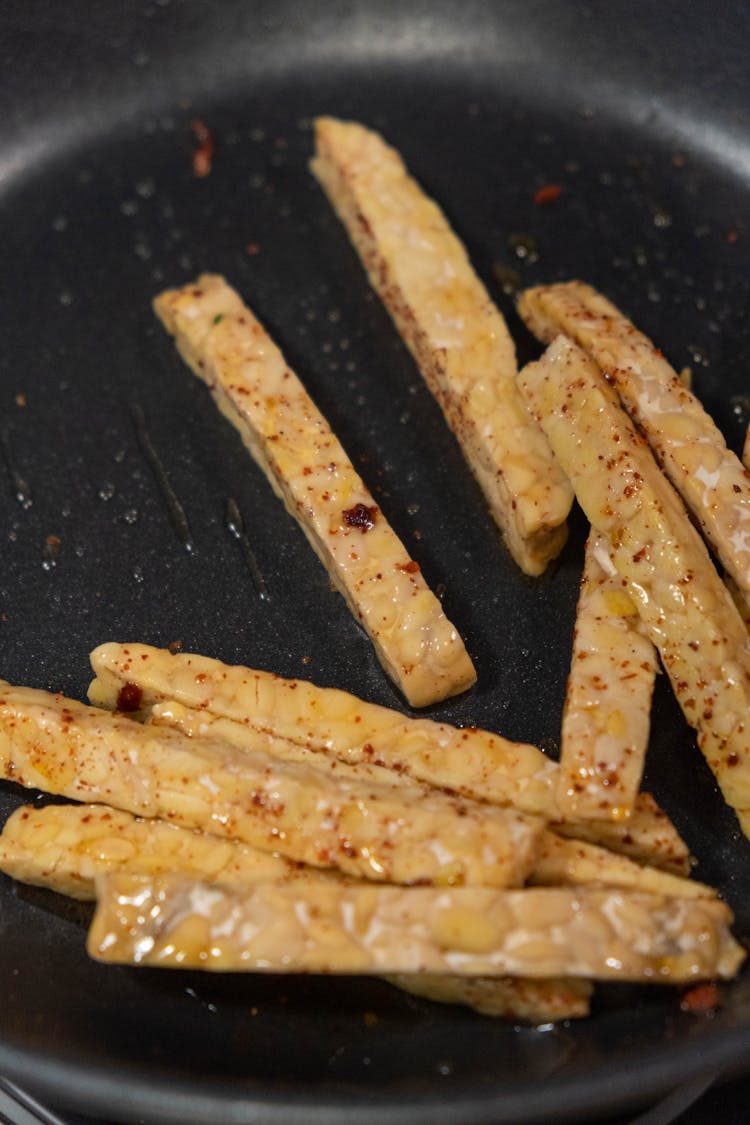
(203, 153)
(129, 697)
(174, 646)
(252, 248)
(360, 516)
(701, 998)
(732, 237)
(411, 567)
(547, 193)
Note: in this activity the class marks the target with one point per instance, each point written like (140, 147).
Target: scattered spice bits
(129, 697)
(360, 516)
(701, 998)
(411, 567)
(203, 153)
(546, 194)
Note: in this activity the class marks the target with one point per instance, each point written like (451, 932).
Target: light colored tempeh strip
(471, 762)
(458, 337)
(689, 446)
(304, 461)
(65, 847)
(606, 719)
(562, 863)
(401, 834)
(686, 608)
(559, 861)
(473, 931)
(515, 998)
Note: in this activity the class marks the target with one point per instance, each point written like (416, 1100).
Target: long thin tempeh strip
(686, 608)
(516, 998)
(563, 863)
(473, 931)
(226, 346)
(401, 834)
(471, 762)
(689, 446)
(559, 861)
(458, 337)
(606, 719)
(65, 848)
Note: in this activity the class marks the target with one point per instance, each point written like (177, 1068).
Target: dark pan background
(640, 112)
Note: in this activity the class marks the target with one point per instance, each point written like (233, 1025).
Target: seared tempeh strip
(458, 337)
(686, 608)
(515, 998)
(65, 847)
(173, 921)
(402, 834)
(562, 863)
(304, 461)
(606, 719)
(471, 762)
(689, 446)
(559, 861)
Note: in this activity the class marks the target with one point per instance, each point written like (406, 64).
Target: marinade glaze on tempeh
(472, 762)
(458, 337)
(686, 608)
(225, 345)
(689, 446)
(397, 833)
(607, 714)
(174, 921)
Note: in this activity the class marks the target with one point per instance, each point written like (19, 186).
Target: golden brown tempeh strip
(606, 719)
(559, 861)
(686, 609)
(396, 833)
(65, 847)
(690, 447)
(563, 863)
(223, 343)
(173, 921)
(469, 761)
(458, 337)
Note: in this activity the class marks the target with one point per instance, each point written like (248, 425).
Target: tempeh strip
(689, 446)
(458, 337)
(562, 863)
(65, 847)
(686, 608)
(401, 834)
(173, 921)
(515, 998)
(559, 861)
(606, 719)
(223, 343)
(471, 762)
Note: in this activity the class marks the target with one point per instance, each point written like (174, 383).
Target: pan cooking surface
(101, 210)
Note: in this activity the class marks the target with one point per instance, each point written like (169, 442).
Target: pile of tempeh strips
(246, 822)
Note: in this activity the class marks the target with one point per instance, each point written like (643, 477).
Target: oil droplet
(138, 574)
(107, 491)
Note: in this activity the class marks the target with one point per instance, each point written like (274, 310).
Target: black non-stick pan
(639, 112)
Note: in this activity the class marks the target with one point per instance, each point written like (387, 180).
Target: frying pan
(640, 112)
